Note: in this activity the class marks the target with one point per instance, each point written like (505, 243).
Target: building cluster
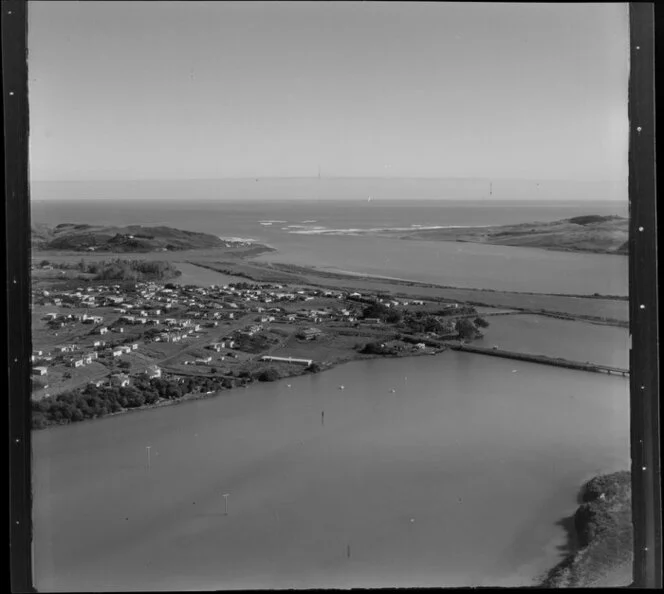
(169, 313)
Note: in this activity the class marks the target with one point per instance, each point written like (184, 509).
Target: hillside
(604, 535)
(134, 238)
(590, 233)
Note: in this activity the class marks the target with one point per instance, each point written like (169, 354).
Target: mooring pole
(226, 503)
(147, 449)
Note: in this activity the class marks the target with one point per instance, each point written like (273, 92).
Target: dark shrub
(268, 375)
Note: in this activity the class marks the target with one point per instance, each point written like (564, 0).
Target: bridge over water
(542, 359)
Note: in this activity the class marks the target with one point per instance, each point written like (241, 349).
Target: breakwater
(542, 359)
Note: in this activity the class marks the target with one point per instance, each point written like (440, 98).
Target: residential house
(311, 333)
(40, 370)
(152, 372)
(120, 379)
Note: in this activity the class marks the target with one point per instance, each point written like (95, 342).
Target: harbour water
(458, 477)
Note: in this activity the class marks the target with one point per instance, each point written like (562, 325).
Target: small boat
(392, 390)
(341, 387)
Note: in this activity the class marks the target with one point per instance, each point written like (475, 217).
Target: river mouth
(455, 478)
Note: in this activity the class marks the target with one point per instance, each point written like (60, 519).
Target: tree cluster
(92, 401)
(382, 312)
(377, 348)
(134, 270)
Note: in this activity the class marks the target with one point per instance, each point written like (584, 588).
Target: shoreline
(350, 275)
(301, 276)
(599, 536)
(193, 396)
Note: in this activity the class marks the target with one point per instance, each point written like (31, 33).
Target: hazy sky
(185, 90)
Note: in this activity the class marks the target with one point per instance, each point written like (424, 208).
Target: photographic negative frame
(643, 295)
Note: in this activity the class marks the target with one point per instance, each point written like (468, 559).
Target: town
(133, 336)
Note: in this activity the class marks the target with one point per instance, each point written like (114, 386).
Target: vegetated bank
(98, 401)
(116, 269)
(132, 238)
(588, 233)
(603, 535)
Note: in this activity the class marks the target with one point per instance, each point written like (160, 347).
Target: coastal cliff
(604, 536)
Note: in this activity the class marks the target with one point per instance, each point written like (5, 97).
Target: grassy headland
(591, 233)
(603, 534)
(133, 238)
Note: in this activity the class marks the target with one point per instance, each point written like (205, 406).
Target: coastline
(600, 537)
(294, 372)
(570, 307)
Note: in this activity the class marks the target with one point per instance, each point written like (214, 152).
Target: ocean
(322, 233)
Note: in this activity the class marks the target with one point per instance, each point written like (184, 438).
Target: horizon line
(333, 177)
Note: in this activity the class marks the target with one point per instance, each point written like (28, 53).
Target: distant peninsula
(589, 233)
(133, 238)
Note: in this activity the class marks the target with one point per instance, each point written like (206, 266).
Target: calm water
(453, 264)
(457, 478)
(195, 275)
(606, 345)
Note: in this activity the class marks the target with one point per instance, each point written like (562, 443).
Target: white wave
(271, 221)
(301, 230)
(237, 239)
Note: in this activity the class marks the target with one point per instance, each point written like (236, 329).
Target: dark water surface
(456, 478)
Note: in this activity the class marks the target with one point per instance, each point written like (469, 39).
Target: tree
(268, 375)
(376, 310)
(481, 322)
(467, 329)
(394, 317)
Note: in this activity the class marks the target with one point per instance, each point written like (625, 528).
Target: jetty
(542, 359)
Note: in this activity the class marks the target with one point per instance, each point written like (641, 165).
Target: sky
(211, 90)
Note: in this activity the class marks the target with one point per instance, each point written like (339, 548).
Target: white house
(153, 372)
